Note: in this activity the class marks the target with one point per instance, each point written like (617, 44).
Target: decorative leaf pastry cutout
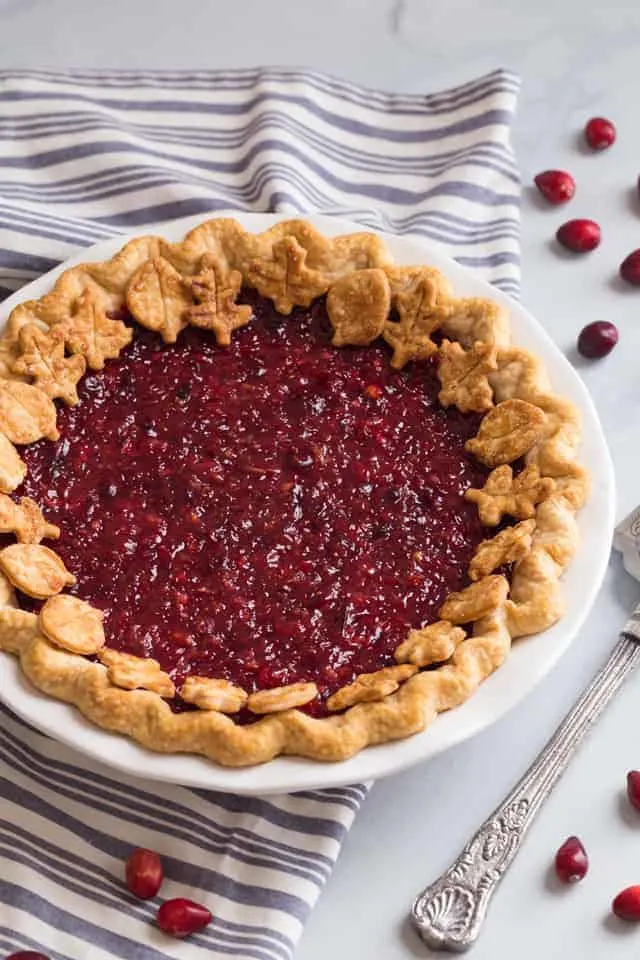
(35, 570)
(26, 413)
(421, 296)
(157, 298)
(211, 694)
(503, 494)
(42, 358)
(72, 624)
(25, 519)
(470, 319)
(476, 601)
(432, 644)
(371, 686)
(463, 375)
(508, 546)
(13, 469)
(282, 698)
(358, 306)
(285, 278)
(132, 673)
(507, 432)
(215, 290)
(94, 335)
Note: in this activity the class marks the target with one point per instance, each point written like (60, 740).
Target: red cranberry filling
(277, 511)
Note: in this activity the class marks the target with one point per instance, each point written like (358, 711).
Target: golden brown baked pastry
(523, 450)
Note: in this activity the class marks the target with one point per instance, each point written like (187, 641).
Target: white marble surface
(577, 59)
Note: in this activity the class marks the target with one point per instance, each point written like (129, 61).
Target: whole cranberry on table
(600, 133)
(571, 862)
(597, 339)
(181, 917)
(626, 905)
(556, 186)
(630, 268)
(579, 236)
(143, 873)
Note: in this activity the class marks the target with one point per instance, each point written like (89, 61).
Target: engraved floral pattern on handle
(454, 906)
(450, 912)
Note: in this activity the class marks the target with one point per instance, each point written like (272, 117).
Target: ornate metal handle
(449, 913)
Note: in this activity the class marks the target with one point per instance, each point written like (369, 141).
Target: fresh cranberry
(143, 873)
(627, 904)
(580, 236)
(27, 955)
(181, 917)
(571, 861)
(597, 339)
(630, 268)
(600, 133)
(633, 788)
(557, 186)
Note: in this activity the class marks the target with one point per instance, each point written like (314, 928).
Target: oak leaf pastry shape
(42, 357)
(25, 519)
(136, 673)
(420, 296)
(92, 334)
(434, 643)
(508, 546)
(464, 376)
(284, 277)
(368, 687)
(215, 291)
(506, 494)
(476, 601)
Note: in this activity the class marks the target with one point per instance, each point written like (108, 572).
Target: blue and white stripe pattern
(85, 155)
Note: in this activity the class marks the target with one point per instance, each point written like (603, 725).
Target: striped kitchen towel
(86, 155)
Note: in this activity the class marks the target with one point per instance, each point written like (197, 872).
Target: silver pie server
(449, 913)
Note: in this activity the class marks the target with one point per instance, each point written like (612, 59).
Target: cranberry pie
(271, 494)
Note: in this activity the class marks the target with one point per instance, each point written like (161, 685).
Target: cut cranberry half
(627, 904)
(557, 186)
(143, 873)
(181, 917)
(600, 133)
(572, 862)
(630, 268)
(633, 788)
(597, 339)
(579, 236)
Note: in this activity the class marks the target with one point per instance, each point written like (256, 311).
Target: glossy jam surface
(277, 511)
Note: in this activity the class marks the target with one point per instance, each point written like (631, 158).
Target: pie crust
(49, 343)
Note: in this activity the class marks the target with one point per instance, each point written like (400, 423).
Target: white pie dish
(530, 660)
